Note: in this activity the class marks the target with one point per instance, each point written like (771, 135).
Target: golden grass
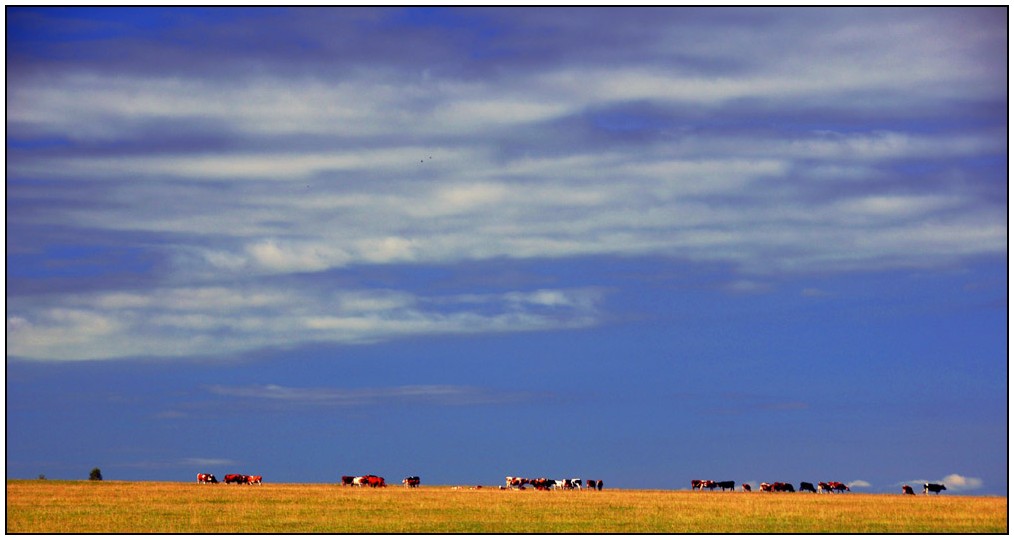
(47, 506)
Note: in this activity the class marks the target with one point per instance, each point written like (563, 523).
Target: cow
(347, 480)
(254, 480)
(359, 481)
(766, 487)
(935, 488)
(701, 484)
(375, 481)
(907, 490)
(542, 484)
(575, 483)
(516, 482)
(824, 487)
(590, 484)
(206, 478)
(728, 484)
(235, 478)
(839, 487)
(806, 486)
(777, 486)
(746, 488)
(411, 482)
(598, 485)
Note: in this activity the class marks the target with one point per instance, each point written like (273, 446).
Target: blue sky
(642, 245)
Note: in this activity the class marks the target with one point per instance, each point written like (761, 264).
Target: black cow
(728, 484)
(806, 486)
(935, 488)
(907, 490)
(598, 485)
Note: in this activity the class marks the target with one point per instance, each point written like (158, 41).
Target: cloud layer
(799, 141)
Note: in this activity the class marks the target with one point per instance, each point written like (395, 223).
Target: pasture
(50, 506)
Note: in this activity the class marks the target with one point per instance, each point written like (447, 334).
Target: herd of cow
(546, 484)
(821, 487)
(208, 478)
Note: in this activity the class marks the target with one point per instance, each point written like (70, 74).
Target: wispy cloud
(448, 395)
(200, 321)
(319, 162)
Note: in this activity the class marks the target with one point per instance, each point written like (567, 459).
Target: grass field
(49, 506)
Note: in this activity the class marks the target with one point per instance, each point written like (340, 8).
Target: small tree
(96, 474)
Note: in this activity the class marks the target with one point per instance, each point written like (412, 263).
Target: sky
(643, 245)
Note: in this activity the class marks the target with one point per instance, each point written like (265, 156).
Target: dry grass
(109, 507)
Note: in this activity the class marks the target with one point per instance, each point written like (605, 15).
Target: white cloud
(859, 484)
(452, 395)
(196, 321)
(957, 482)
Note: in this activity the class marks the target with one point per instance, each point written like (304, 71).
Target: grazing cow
(560, 484)
(907, 490)
(746, 488)
(206, 478)
(766, 487)
(806, 486)
(783, 486)
(359, 481)
(728, 484)
(517, 482)
(575, 483)
(411, 482)
(598, 485)
(375, 481)
(824, 487)
(254, 479)
(542, 484)
(935, 488)
(839, 487)
(347, 480)
(591, 484)
(701, 484)
(236, 478)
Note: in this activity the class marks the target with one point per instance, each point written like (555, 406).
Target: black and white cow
(935, 488)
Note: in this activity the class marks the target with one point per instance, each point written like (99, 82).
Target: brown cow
(907, 490)
(236, 479)
(254, 479)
